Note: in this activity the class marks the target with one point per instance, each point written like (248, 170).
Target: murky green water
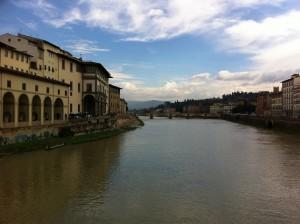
(170, 171)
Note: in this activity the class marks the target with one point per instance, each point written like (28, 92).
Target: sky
(171, 49)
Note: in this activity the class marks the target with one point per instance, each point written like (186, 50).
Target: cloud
(145, 20)
(273, 43)
(41, 8)
(203, 85)
(85, 47)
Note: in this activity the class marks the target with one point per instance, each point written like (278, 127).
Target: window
(79, 87)
(52, 69)
(48, 90)
(17, 56)
(49, 68)
(51, 55)
(78, 68)
(9, 40)
(8, 84)
(23, 86)
(66, 93)
(71, 86)
(36, 88)
(12, 54)
(89, 87)
(70, 93)
(71, 67)
(63, 64)
(40, 67)
(71, 108)
(19, 39)
(40, 53)
(45, 67)
(22, 58)
(6, 53)
(78, 108)
(27, 60)
(58, 91)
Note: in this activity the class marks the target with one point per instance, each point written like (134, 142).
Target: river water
(169, 171)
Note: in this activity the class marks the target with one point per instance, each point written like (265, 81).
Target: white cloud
(40, 7)
(203, 85)
(85, 47)
(273, 43)
(145, 20)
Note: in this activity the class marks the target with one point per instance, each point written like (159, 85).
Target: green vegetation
(68, 140)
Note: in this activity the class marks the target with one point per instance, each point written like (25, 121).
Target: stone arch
(8, 108)
(36, 108)
(23, 108)
(58, 109)
(89, 104)
(47, 109)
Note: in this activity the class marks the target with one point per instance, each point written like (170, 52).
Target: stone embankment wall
(80, 127)
(27, 134)
(267, 122)
(127, 120)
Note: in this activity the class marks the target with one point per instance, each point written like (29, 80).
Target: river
(169, 171)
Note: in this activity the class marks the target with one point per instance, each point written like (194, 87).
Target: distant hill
(138, 105)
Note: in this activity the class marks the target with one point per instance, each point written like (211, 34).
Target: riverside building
(276, 102)
(114, 99)
(263, 104)
(291, 96)
(41, 84)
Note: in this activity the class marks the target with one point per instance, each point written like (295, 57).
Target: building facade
(41, 84)
(95, 80)
(216, 109)
(263, 104)
(192, 109)
(287, 97)
(114, 99)
(291, 96)
(276, 102)
(296, 97)
(27, 99)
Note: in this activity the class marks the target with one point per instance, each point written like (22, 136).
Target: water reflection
(40, 187)
(170, 171)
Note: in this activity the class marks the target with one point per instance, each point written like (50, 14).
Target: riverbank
(278, 124)
(132, 124)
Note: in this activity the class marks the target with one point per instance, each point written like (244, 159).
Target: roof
(287, 80)
(115, 87)
(4, 45)
(34, 77)
(37, 39)
(107, 73)
(69, 57)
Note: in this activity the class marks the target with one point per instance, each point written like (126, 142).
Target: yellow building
(41, 84)
(50, 61)
(28, 99)
(114, 99)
